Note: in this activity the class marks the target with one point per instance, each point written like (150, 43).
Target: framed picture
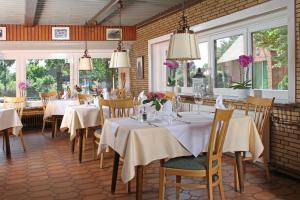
(113, 34)
(2, 33)
(140, 67)
(60, 33)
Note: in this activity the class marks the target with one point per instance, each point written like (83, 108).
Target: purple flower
(24, 85)
(171, 64)
(245, 60)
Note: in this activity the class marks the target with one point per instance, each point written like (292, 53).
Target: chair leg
(162, 182)
(221, 187)
(101, 160)
(178, 180)
(22, 140)
(55, 130)
(86, 133)
(94, 147)
(3, 140)
(209, 186)
(266, 166)
(44, 124)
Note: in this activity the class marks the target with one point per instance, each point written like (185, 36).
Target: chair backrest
(104, 103)
(217, 135)
(18, 103)
(48, 96)
(121, 107)
(170, 95)
(84, 97)
(261, 108)
(120, 93)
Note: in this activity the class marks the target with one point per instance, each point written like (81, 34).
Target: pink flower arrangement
(171, 64)
(24, 85)
(245, 60)
(156, 98)
(97, 89)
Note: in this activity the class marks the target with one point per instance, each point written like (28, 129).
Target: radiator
(32, 118)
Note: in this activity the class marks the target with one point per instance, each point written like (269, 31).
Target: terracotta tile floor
(48, 170)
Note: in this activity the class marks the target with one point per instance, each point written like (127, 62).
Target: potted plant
(172, 65)
(23, 88)
(242, 88)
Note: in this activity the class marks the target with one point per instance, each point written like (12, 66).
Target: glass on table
(199, 100)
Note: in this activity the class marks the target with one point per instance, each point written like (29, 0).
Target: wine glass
(198, 99)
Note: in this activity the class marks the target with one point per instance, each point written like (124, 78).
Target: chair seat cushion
(189, 163)
(97, 133)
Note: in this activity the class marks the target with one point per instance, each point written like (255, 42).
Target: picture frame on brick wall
(60, 33)
(140, 68)
(113, 34)
(2, 33)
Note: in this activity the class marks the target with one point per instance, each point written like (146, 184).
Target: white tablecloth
(9, 119)
(81, 116)
(58, 107)
(141, 143)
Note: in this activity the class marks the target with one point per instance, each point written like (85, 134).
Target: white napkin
(219, 103)
(142, 96)
(105, 93)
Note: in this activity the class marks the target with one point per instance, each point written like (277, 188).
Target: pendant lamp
(183, 43)
(85, 62)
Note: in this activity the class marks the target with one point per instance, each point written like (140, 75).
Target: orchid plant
(23, 87)
(245, 83)
(156, 98)
(172, 65)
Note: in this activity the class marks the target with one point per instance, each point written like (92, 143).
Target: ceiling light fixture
(85, 62)
(183, 43)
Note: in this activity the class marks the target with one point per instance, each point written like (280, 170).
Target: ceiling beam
(168, 12)
(30, 9)
(109, 11)
(33, 11)
(111, 6)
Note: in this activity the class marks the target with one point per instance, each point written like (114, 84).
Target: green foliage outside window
(7, 78)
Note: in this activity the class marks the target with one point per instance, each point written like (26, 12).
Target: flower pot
(241, 93)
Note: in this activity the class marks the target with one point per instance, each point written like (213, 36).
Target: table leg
(7, 145)
(80, 144)
(139, 182)
(53, 119)
(73, 145)
(115, 173)
(239, 165)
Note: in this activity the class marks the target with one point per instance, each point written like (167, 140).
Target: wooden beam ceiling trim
(16, 32)
(104, 12)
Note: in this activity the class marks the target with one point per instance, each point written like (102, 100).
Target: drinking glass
(198, 99)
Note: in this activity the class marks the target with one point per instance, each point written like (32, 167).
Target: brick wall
(285, 124)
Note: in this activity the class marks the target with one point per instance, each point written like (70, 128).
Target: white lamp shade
(120, 59)
(85, 63)
(183, 46)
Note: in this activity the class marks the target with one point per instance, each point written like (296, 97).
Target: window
(7, 78)
(47, 75)
(270, 55)
(227, 52)
(101, 74)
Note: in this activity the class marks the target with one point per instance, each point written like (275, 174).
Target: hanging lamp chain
(183, 24)
(120, 44)
(85, 37)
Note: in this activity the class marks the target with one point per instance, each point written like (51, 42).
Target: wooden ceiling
(78, 12)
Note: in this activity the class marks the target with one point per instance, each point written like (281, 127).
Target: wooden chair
(18, 103)
(97, 133)
(119, 93)
(209, 165)
(121, 107)
(260, 109)
(84, 97)
(46, 97)
(170, 95)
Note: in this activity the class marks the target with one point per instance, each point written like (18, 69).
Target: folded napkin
(219, 103)
(167, 107)
(105, 93)
(142, 96)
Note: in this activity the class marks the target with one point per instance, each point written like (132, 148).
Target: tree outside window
(7, 78)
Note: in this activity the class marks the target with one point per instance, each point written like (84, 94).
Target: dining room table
(140, 143)
(56, 109)
(77, 119)
(9, 120)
